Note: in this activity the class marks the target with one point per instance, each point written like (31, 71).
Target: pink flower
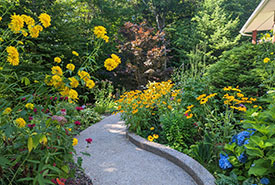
(30, 118)
(55, 98)
(23, 99)
(77, 123)
(66, 98)
(79, 108)
(51, 97)
(186, 114)
(60, 119)
(35, 110)
(61, 98)
(54, 164)
(89, 140)
(31, 125)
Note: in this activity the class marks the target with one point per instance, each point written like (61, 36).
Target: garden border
(200, 175)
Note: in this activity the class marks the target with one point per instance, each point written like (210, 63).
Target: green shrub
(243, 67)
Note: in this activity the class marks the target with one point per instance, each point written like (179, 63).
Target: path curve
(116, 161)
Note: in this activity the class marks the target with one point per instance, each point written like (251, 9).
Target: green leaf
(30, 144)
(260, 168)
(25, 179)
(256, 152)
(33, 161)
(65, 168)
(4, 161)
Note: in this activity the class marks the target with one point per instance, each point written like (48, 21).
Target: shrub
(243, 67)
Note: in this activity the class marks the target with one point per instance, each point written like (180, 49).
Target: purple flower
(30, 118)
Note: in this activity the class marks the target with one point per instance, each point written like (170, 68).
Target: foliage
(244, 67)
(104, 102)
(251, 152)
(144, 53)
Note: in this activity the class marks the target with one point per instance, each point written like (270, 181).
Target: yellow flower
(134, 111)
(20, 122)
(170, 107)
(56, 70)
(119, 107)
(24, 33)
(75, 53)
(201, 96)
(70, 129)
(20, 42)
(150, 138)
(190, 106)
(29, 106)
(1, 40)
(65, 91)
(255, 106)
(110, 64)
(1, 68)
(271, 53)
(57, 59)
(74, 82)
(75, 141)
(28, 20)
(73, 94)
(178, 100)
(106, 38)
(17, 23)
(90, 84)
(84, 75)
(152, 128)
(71, 67)
(203, 101)
(266, 60)
(34, 30)
(56, 79)
(253, 99)
(240, 95)
(155, 136)
(189, 116)
(116, 58)
(13, 55)
(164, 102)
(7, 110)
(0, 18)
(45, 19)
(227, 88)
(100, 31)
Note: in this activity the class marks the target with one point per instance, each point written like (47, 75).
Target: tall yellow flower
(56, 70)
(90, 84)
(71, 67)
(106, 38)
(28, 20)
(29, 106)
(84, 75)
(74, 82)
(73, 94)
(45, 19)
(7, 110)
(110, 64)
(35, 30)
(20, 122)
(17, 23)
(116, 58)
(57, 59)
(75, 53)
(13, 55)
(0, 18)
(100, 31)
(75, 141)
(266, 60)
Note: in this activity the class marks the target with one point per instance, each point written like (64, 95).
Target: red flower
(79, 108)
(77, 123)
(35, 110)
(23, 99)
(89, 140)
(31, 125)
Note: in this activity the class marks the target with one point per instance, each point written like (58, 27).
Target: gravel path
(116, 161)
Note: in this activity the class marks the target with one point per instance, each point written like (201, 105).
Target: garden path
(116, 161)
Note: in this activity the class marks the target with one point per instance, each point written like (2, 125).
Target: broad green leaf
(30, 144)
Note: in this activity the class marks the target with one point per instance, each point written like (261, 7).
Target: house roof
(262, 18)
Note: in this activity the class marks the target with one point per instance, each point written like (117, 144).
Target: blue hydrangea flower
(241, 137)
(242, 158)
(264, 180)
(224, 162)
(233, 139)
(251, 129)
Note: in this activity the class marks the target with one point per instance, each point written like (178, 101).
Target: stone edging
(200, 175)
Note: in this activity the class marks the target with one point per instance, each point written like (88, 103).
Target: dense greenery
(57, 67)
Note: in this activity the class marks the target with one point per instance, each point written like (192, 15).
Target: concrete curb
(200, 175)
